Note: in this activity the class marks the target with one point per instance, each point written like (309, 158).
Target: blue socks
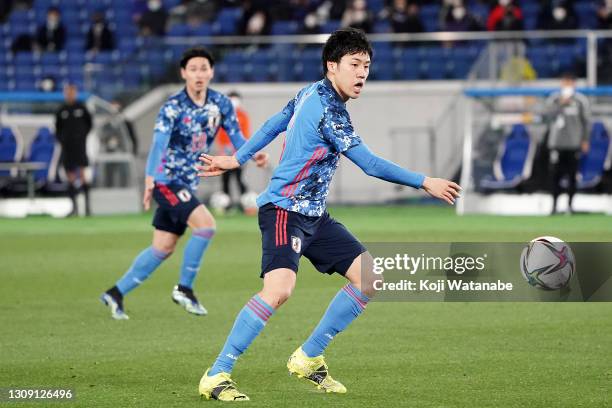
(144, 265)
(249, 323)
(194, 250)
(343, 309)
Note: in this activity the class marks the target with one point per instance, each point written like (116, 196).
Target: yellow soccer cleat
(220, 387)
(313, 369)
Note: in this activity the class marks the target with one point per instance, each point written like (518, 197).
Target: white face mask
(504, 3)
(559, 13)
(567, 92)
(235, 102)
(52, 21)
(458, 13)
(154, 5)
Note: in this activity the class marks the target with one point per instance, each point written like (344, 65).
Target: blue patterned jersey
(319, 129)
(183, 131)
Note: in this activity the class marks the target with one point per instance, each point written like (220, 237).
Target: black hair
(234, 94)
(346, 41)
(194, 53)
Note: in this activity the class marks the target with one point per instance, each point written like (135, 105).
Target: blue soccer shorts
(175, 205)
(287, 235)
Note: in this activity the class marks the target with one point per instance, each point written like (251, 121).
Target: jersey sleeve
(230, 124)
(336, 128)
(383, 169)
(273, 127)
(161, 136)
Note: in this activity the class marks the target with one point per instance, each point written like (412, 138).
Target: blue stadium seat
(228, 20)
(285, 28)
(25, 58)
(382, 71)
(408, 70)
(42, 150)
(514, 160)
(329, 27)
(9, 148)
(597, 160)
(587, 15)
(52, 58)
(203, 30)
(179, 30)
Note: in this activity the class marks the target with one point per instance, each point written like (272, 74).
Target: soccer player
(185, 128)
(293, 219)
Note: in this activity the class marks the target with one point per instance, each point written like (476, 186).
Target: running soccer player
(293, 219)
(185, 128)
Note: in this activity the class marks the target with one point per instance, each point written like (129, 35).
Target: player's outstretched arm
(386, 170)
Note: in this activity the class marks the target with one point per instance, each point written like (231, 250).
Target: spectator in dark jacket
(51, 36)
(99, 36)
(358, 16)
(403, 16)
(557, 16)
(153, 20)
(460, 19)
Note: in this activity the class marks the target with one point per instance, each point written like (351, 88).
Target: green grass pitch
(55, 332)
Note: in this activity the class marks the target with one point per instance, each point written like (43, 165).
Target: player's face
(197, 74)
(350, 74)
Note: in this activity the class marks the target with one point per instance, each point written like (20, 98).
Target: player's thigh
(334, 248)
(361, 274)
(200, 217)
(164, 241)
(281, 235)
(278, 284)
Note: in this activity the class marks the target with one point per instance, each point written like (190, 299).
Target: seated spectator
(506, 16)
(319, 15)
(99, 36)
(459, 19)
(51, 36)
(403, 16)
(357, 15)
(557, 16)
(255, 18)
(200, 11)
(153, 21)
(604, 14)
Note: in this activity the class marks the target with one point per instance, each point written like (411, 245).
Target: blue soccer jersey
(318, 129)
(183, 131)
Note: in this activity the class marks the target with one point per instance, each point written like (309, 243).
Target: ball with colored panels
(547, 263)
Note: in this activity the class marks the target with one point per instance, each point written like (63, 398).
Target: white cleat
(186, 298)
(116, 307)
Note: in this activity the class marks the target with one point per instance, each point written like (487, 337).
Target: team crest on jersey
(296, 244)
(214, 116)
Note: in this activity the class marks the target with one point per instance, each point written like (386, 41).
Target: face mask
(458, 13)
(52, 21)
(235, 102)
(504, 3)
(559, 13)
(154, 5)
(567, 92)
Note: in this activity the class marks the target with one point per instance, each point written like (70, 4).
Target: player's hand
(443, 189)
(148, 192)
(216, 165)
(261, 159)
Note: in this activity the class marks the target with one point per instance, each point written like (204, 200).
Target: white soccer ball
(248, 200)
(219, 201)
(547, 263)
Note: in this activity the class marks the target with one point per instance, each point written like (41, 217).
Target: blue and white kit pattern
(319, 131)
(183, 131)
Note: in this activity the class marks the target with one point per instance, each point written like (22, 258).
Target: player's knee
(165, 248)
(275, 297)
(367, 277)
(206, 233)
